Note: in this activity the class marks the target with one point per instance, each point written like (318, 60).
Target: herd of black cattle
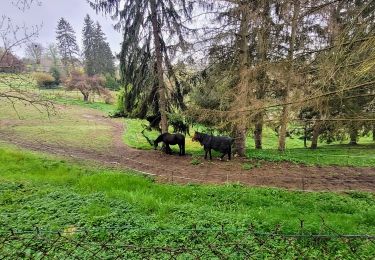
(221, 144)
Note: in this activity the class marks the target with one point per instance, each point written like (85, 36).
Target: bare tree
(34, 52)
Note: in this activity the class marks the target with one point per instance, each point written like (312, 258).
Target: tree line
(238, 66)
(96, 56)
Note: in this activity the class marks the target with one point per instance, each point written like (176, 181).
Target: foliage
(153, 32)
(44, 80)
(55, 72)
(112, 83)
(87, 85)
(97, 53)
(67, 44)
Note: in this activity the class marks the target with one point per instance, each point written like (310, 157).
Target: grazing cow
(222, 144)
(171, 139)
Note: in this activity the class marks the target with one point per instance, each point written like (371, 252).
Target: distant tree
(103, 51)
(67, 44)
(89, 54)
(34, 52)
(87, 85)
(10, 63)
(97, 53)
(53, 53)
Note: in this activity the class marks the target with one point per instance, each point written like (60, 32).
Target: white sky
(48, 14)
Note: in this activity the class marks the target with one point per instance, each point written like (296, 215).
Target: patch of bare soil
(178, 169)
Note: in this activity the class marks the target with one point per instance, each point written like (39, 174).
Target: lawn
(52, 194)
(69, 126)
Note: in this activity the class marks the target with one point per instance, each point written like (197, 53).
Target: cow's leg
(221, 158)
(168, 149)
(229, 154)
(210, 154)
(205, 154)
(183, 148)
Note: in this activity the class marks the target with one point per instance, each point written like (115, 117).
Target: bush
(56, 75)
(111, 82)
(44, 80)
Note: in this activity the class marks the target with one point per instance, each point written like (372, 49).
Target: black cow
(222, 144)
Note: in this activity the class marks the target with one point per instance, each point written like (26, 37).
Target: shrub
(56, 75)
(44, 80)
(111, 82)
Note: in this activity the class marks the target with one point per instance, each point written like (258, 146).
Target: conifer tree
(67, 44)
(88, 46)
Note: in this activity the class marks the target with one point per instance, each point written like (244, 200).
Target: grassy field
(69, 126)
(164, 205)
(52, 194)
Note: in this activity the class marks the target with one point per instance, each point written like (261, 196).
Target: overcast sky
(48, 14)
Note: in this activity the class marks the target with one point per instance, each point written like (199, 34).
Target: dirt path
(178, 169)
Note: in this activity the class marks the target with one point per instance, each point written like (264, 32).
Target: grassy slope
(68, 126)
(35, 190)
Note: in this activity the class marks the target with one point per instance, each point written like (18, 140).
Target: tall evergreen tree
(67, 44)
(145, 55)
(88, 33)
(102, 52)
(97, 52)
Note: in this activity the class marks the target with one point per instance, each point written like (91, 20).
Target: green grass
(332, 154)
(166, 205)
(69, 126)
(101, 106)
(340, 154)
(52, 194)
(22, 81)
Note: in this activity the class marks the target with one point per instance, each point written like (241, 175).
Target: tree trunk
(353, 135)
(315, 135)
(373, 133)
(85, 97)
(285, 111)
(159, 65)
(242, 88)
(258, 131)
(262, 46)
(240, 141)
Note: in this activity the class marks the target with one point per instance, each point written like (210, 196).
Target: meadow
(54, 194)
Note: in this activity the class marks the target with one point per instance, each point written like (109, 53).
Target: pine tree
(88, 46)
(102, 52)
(67, 44)
(97, 52)
(144, 54)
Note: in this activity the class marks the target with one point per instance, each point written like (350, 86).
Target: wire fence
(193, 243)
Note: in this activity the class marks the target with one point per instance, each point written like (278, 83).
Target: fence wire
(193, 243)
